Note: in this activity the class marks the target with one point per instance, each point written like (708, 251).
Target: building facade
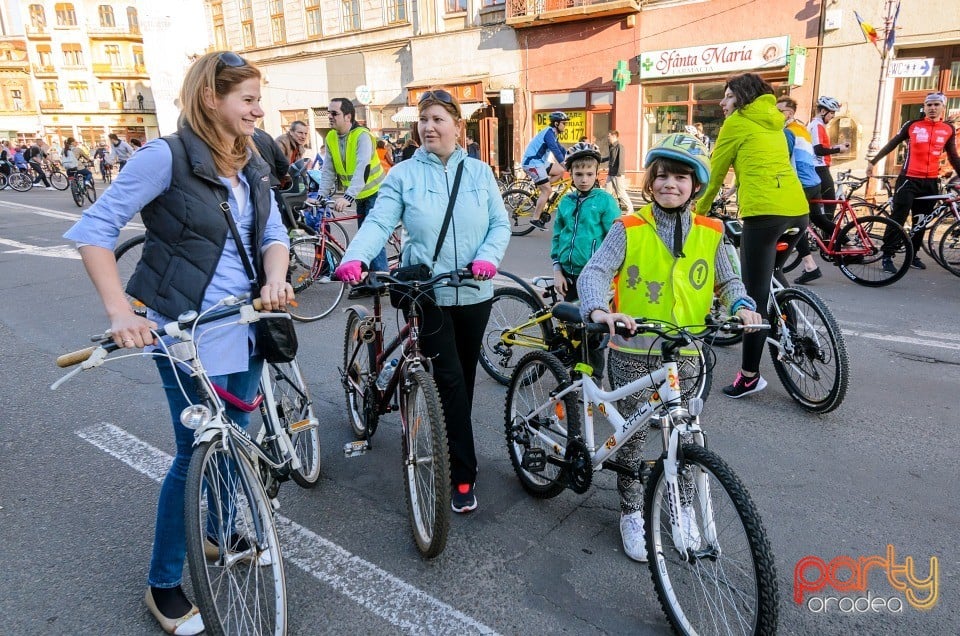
(380, 54)
(74, 69)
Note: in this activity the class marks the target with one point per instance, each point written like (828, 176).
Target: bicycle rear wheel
(76, 194)
(20, 182)
(726, 583)
(359, 367)
(812, 365)
(317, 292)
(295, 413)
(949, 249)
(128, 255)
(59, 180)
(236, 565)
(511, 307)
(868, 269)
(931, 242)
(91, 192)
(426, 463)
(520, 205)
(537, 375)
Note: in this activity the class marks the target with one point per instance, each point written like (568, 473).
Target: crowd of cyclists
(664, 260)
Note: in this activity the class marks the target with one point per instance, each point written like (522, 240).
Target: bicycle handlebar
(675, 333)
(380, 280)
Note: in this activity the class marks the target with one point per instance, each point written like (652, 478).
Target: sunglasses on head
(439, 95)
(231, 59)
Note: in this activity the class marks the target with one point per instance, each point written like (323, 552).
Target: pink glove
(349, 272)
(482, 270)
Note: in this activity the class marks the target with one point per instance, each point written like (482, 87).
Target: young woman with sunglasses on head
(178, 184)
(416, 193)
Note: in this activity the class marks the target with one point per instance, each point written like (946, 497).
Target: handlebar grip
(258, 304)
(75, 357)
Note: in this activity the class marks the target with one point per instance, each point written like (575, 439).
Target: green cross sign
(647, 64)
(621, 75)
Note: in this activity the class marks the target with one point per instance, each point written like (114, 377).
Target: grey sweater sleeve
(594, 283)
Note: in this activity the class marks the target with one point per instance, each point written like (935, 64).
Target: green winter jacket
(752, 140)
(580, 227)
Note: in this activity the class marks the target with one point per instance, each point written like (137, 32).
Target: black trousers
(818, 217)
(758, 259)
(39, 174)
(452, 337)
(827, 189)
(905, 201)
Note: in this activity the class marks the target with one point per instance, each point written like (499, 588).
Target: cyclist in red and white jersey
(827, 108)
(927, 139)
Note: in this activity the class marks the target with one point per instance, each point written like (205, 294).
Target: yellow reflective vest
(652, 283)
(373, 174)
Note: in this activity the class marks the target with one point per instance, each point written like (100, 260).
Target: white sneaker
(631, 532)
(323, 279)
(689, 527)
(49, 187)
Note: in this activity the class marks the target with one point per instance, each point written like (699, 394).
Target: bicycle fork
(697, 486)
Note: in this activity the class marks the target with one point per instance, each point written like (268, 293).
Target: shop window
(560, 101)
(601, 99)
(954, 83)
(921, 83)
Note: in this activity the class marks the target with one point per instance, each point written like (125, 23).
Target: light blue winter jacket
(415, 193)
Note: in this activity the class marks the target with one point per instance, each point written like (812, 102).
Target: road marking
(903, 339)
(378, 591)
(56, 251)
(56, 214)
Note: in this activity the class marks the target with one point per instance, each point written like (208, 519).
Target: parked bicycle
(710, 558)
(234, 552)
(376, 384)
(521, 203)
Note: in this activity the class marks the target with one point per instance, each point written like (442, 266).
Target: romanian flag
(867, 28)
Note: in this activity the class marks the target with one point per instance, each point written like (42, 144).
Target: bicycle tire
(315, 297)
(949, 249)
(128, 256)
(728, 585)
(867, 270)
(233, 592)
(76, 194)
(511, 307)
(931, 241)
(536, 376)
(294, 407)
(4, 182)
(20, 182)
(795, 259)
(359, 369)
(426, 463)
(520, 205)
(818, 347)
(91, 192)
(59, 180)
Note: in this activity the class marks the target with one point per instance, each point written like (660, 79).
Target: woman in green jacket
(769, 194)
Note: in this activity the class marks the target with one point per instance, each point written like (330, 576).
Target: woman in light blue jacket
(416, 193)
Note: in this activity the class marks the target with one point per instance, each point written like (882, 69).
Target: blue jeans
(364, 207)
(170, 539)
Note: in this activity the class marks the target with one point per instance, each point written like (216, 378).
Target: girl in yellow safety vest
(665, 264)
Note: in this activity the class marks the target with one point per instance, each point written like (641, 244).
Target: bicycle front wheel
(725, 582)
(128, 255)
(312, 265)
(861, 257)
(76, 194)
(544, 435)
(810, 355)
(20, 182)
(59, 180)
(949, 249)
(931, 241)
(91, 192)
(359, 367)
(295, 413)
(232, 545)
(426, 463)
(520, 205)
(510, 310)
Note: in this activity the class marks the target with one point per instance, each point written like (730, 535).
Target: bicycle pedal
(275, 503)
(353, 449)
(534, 460)
(302, 425)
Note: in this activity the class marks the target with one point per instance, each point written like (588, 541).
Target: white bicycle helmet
(580, 150)
(829, 103)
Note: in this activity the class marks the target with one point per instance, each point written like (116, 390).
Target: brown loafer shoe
(189, 624)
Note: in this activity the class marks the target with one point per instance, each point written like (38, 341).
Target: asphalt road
(79, 471)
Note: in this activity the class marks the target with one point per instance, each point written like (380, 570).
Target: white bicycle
(710, 558)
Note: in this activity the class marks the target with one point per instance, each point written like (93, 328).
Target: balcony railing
(523, 13)
(49, 105)
(105, 69)
(15, 65)
(113, 33)
(41, 70)
(127, 107)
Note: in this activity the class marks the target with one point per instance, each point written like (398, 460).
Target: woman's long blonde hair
(202, 78)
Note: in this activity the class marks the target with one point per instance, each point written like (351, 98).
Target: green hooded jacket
(753, 141)
(581, 225)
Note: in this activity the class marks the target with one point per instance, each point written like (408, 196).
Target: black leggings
(758, 258)
(905, 202)
(827, 189)
(452, 338)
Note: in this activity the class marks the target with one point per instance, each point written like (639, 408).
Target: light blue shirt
(223, 349)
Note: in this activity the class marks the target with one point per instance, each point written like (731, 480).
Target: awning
(469, 108)
(406, 115)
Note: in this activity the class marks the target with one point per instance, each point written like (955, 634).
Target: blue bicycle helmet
(686, 149)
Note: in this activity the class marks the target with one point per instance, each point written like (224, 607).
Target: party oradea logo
(868, 584)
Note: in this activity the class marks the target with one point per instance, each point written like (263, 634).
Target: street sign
(911, 67)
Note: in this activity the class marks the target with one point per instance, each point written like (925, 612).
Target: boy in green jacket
(584, 217)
